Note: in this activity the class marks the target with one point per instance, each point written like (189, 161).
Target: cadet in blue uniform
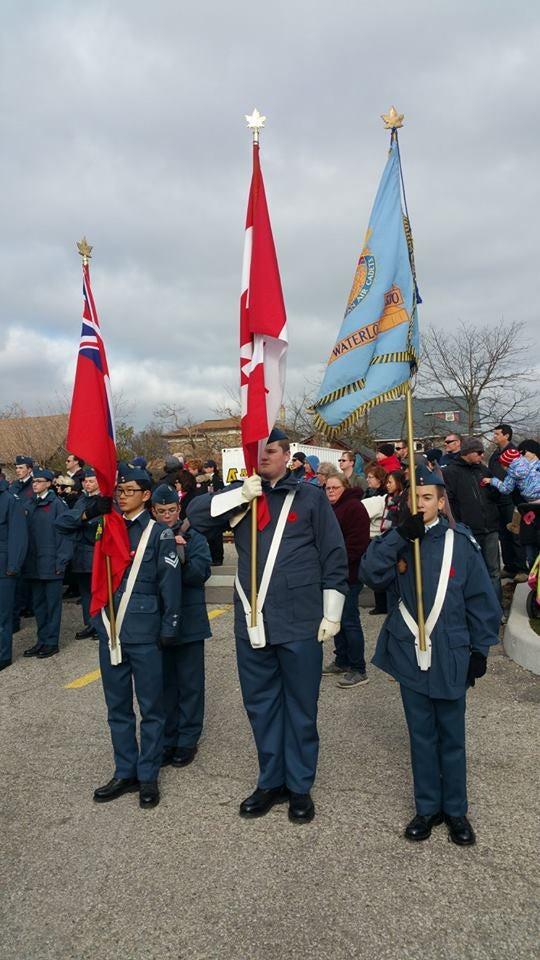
(183, 661)
(81, 524)
(462, 622)
(152, 614)
(49, 552)
(301, 597)
(22, 489)
(13, 546)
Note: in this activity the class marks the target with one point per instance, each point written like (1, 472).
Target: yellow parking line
(83, 681)
(95, 674)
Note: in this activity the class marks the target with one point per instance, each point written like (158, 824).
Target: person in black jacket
(512, 553)
(82, 530)
(474, 504)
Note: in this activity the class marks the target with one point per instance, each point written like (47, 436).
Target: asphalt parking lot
(190, 880)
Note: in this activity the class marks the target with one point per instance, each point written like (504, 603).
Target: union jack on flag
(91, 437)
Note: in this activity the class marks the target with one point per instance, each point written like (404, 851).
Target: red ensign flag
(91, 436)
(263, 327)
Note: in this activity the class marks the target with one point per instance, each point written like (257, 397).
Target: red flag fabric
(263, 330)
(91, 436)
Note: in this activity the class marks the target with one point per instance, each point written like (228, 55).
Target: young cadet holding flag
(147, 604)
(302, 576)
(462, 622)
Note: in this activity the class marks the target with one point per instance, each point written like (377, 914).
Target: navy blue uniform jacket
(195, 625)
(469, 618)
(311, 558)
(49, 551)
(22, 489)
(82, 532)
(13, 532)
(154, 607)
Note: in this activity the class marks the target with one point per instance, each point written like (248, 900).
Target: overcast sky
(124, 121)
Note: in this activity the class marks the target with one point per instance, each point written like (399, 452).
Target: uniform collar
(288, 482)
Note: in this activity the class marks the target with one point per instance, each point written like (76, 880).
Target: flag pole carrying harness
(256, 634)
(423, 657)
(116, 651)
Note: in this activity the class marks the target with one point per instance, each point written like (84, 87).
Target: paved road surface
(190, 880)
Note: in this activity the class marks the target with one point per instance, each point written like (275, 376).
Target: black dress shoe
(88, 633)
(183, 756)
(4, 664)
(47, 652)
(148, 794)
(115, 788)
(420, 827)
(168, 754)
(33, 651)
(301, 808)
(261, 801)
(460, 831)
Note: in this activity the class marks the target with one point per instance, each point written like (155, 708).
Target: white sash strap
(423, 657)
(256, 634)
(116, 651)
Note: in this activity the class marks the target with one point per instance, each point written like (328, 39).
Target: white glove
(251, 487)
(327, 629)
(333, 602)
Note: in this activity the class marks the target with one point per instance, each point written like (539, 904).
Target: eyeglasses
(343, 460)
(165, 511)
(122, 492)
(447, 442)
(400, 448)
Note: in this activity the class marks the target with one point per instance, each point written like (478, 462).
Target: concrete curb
(520, 642)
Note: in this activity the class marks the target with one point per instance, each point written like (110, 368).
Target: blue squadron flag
(377, 345)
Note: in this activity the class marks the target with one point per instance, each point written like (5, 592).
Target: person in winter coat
(462, 617)
(349, 660)
(80, 523)
(522, 471)
(13, 546)
(393, 500)
(347, 465)
(374, 501)
(183, 656)
(387, 459)
(49, 552)
(475, 505)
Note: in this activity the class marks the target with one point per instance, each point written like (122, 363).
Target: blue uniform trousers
(280, 688)
(183, 687)
(8, 586)
(349, 642)
(47, 603)
(85, 580)
(437, 735)
(23, 600)
(142, 666)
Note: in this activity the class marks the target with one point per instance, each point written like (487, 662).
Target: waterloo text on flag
(91, 436)
(263, 326)
(378, 341)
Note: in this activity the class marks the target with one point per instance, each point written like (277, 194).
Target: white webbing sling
(423, 657)
(116, 651)
(256, 634)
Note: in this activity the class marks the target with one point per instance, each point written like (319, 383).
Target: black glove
(165, 643)
(97, 507)
(412, 528)
(477, 667)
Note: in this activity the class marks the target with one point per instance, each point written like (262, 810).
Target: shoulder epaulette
(166, 534)
(466, 532)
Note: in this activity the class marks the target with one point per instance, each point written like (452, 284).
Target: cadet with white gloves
(302, 582)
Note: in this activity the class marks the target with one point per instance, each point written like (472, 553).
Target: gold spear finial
(392, 120)
(85, 250)
(255, 123)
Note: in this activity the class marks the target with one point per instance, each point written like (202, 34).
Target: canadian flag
(263, 327)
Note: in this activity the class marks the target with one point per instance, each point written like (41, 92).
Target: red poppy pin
(132, 553)
(452, 572)
(529, 517)
(293, 517)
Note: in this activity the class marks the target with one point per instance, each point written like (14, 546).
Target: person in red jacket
(387, 459)
(353, 518)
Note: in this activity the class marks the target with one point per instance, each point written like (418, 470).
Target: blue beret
(165, 494)
(89, 472)
(139, 462)
(19, 460)
(42, 474)
(127, 472)
(426, 477)
(277, 435)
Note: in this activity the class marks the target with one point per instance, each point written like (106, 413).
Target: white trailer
(234, 467)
